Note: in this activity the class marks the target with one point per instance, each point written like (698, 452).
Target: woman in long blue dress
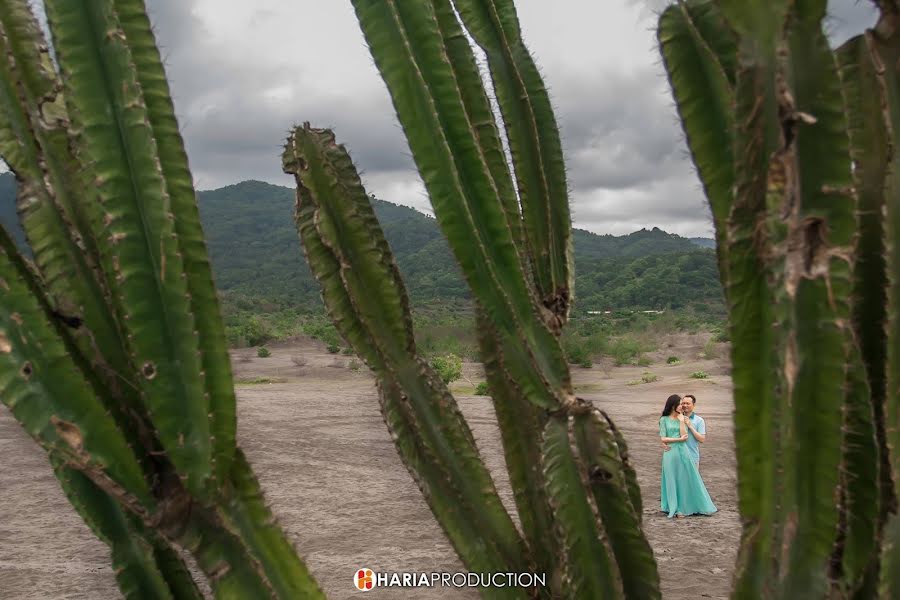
(683, 492)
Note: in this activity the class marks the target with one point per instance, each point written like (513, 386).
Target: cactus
(112, 351)
(794, 146)
(575, 493)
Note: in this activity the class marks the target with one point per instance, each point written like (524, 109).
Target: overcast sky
(243, 72)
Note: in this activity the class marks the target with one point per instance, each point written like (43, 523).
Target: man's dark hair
(692, 397)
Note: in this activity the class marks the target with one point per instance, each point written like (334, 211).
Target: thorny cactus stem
(112, 349)
(577, 497)
(808, 272)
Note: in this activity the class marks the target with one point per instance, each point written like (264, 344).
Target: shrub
(332, 348)
(644, 361)
(263, 352)
(709, 349)
(448, 367)
(576, 349)
(625, 350)
(347, 351)
(649, 378)
(699, 375)
(672, 360)
(482, 389)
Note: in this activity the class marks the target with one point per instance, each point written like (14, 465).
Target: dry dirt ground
(333, 477)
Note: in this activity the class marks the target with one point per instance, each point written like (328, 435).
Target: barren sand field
(333, 477)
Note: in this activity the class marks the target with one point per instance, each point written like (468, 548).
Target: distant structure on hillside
(630, 312)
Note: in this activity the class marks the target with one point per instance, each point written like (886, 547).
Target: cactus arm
(817, 211)
(521, 425)
(714, 34)
(589, 570)
(480, 114)
(134, 553)
(179, 184)
(39, 93)
(886, 42)
(37, 371)
(35, 143)
(231, 572)
(345, 245)
(245, 513)
(428, 474)
(597, 446)
(888, 51)
(468, 539)
(747, 292)
(857, 546)
(704, 96)
(864, 96)
(174, 571)
(401, 37)
(535, 147)
(139, 252)
(631, 481)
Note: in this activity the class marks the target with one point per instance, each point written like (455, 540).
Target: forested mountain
(257, 257)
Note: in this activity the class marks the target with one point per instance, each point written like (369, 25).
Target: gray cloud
(243, 73)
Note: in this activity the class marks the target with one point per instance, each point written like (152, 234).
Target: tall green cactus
(112, 352)
(575, 492)
(797, 197)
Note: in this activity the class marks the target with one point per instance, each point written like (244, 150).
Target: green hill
(257, 258)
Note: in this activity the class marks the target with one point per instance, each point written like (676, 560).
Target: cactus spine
(808, 272)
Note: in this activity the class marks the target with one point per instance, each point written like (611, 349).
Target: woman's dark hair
(671, 402)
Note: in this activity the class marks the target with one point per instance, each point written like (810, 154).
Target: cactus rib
(535, 148)
(599, 450)
(179, 185)
(521, 426)
(348, 245)
(704, 98)
(139, 253)
(245, 513)
(589, 567)
(402, 38)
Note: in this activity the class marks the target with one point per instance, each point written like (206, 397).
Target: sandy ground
(333, 477)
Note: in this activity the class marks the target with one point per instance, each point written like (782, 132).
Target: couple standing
(682, 431)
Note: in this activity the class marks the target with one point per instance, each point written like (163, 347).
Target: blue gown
(683, 492)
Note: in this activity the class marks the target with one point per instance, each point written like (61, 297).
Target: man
(696, 427)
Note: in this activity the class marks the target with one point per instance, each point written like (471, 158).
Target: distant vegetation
(269, 294)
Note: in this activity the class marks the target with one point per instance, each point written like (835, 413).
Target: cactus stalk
(112, 349)
(812, 164)
(585, 537)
